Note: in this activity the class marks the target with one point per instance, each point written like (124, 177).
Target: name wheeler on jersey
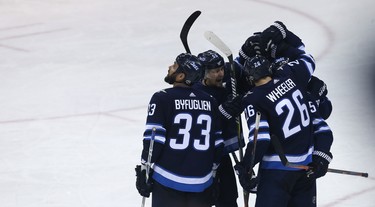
(284, 106)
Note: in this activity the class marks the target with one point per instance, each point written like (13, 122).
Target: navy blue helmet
(211, 59)
(191, 66)
(256, 68)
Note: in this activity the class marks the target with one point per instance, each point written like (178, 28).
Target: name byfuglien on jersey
(192, 104)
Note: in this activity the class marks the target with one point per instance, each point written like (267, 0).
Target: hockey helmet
(211, 59)
(256, 68)
(191, 66)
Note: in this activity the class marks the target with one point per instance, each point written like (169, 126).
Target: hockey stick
(346, 172)
(217, 42)
(286, 163)
(148, 163)
(256, 130)
(185, 29)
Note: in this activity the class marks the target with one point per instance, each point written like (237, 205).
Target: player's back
(284, 108)
(189, 117)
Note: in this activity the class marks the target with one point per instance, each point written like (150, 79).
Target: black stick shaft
(185, 29)
(346, 172)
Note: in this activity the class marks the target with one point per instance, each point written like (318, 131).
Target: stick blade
(186, 27)
(215, 40)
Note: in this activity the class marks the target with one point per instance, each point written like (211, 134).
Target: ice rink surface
(76, 78)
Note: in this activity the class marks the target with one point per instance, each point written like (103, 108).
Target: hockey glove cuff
(231, 108)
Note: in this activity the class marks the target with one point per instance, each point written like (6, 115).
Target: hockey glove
(319, 165)
(143, 185)
(272, 36)
(250, 48)
(248, 181)
(284, 50)
(231, 108)
(294, 40)
(317, 88)
(325, 108)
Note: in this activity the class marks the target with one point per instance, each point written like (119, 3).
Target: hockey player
(316, 87)
(284, 106)
(216, 82)
(187, 143)
(323, 139)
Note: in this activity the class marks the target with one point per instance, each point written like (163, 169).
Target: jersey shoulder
(182, 92)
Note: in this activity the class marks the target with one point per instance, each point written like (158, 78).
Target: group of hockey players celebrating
(194, 127)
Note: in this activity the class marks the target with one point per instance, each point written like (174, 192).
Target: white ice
(76, 77)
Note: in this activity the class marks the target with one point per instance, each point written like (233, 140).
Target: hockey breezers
(185, 29)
